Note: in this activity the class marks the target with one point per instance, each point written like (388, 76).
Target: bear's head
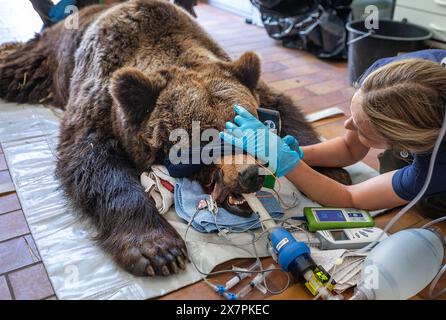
(149, 106)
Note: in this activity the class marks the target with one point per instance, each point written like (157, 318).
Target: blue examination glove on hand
(251, 135)
(294, 145)
(57, 11)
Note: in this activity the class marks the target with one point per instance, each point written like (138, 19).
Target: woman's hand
(249, 134)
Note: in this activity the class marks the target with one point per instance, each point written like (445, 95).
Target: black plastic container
(391, 38)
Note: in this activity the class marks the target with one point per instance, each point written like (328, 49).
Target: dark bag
(317, 26)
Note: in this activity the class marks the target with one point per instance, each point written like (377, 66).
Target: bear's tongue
(219, 193)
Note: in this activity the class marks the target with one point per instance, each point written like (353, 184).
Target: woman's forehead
(360, 120)
(356, 104)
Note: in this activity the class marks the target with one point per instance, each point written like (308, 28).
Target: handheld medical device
(337, 218)
(349, 239)
(270, 118)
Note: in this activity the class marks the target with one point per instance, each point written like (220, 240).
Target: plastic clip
(212, 205)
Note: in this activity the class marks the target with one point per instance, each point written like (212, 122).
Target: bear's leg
(293, 123)
(101, 182)
(25, 72)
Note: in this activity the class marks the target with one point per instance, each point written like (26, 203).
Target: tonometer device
(349, 239)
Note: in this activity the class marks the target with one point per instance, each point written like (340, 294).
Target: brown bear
(126, 77)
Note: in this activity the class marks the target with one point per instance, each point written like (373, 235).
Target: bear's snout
(250, 179)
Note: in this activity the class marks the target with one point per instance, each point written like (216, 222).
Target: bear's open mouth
(236, 204)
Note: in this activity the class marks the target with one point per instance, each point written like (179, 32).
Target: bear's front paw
(159, 250)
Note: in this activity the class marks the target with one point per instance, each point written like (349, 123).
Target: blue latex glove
(249, 134)
(57, 11)
(293, 144)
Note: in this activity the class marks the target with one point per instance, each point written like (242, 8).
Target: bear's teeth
(235, 201)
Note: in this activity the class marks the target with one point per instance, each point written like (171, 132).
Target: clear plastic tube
(434, 284)
(430, 223)
(443, 269)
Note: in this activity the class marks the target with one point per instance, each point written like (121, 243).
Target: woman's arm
(337, 152)
(373, 194)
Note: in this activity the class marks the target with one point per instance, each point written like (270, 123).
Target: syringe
(240, 275)
(255, 283)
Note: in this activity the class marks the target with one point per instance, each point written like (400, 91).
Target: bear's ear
(247, 69)
(136, 93)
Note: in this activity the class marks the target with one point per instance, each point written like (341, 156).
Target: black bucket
(391, 38)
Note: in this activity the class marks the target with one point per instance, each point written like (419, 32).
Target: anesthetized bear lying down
(126, 78)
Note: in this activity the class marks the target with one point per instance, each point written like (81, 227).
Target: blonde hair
(405, 101)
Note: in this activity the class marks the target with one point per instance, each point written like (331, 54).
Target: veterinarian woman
(399, 107)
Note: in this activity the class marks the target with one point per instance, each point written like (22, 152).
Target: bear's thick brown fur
(128, 76)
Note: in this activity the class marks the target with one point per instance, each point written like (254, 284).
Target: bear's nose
(250, 179)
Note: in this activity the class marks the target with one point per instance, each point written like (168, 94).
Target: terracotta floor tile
(306, 69)
(31, 283)
(16, 253)
(9, 202)
(301, 60)
(12, 224)
(4, 290)
(273, 67)
(298, 94)
(249, 46)
(327, 86)
(319, 102)
(279, 56)
(287, 73)
(287, 84)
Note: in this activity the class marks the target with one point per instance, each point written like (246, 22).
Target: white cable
(433, 222)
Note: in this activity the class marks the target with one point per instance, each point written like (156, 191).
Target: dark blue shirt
(408, 181)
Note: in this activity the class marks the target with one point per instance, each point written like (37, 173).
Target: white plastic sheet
(77, 268)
